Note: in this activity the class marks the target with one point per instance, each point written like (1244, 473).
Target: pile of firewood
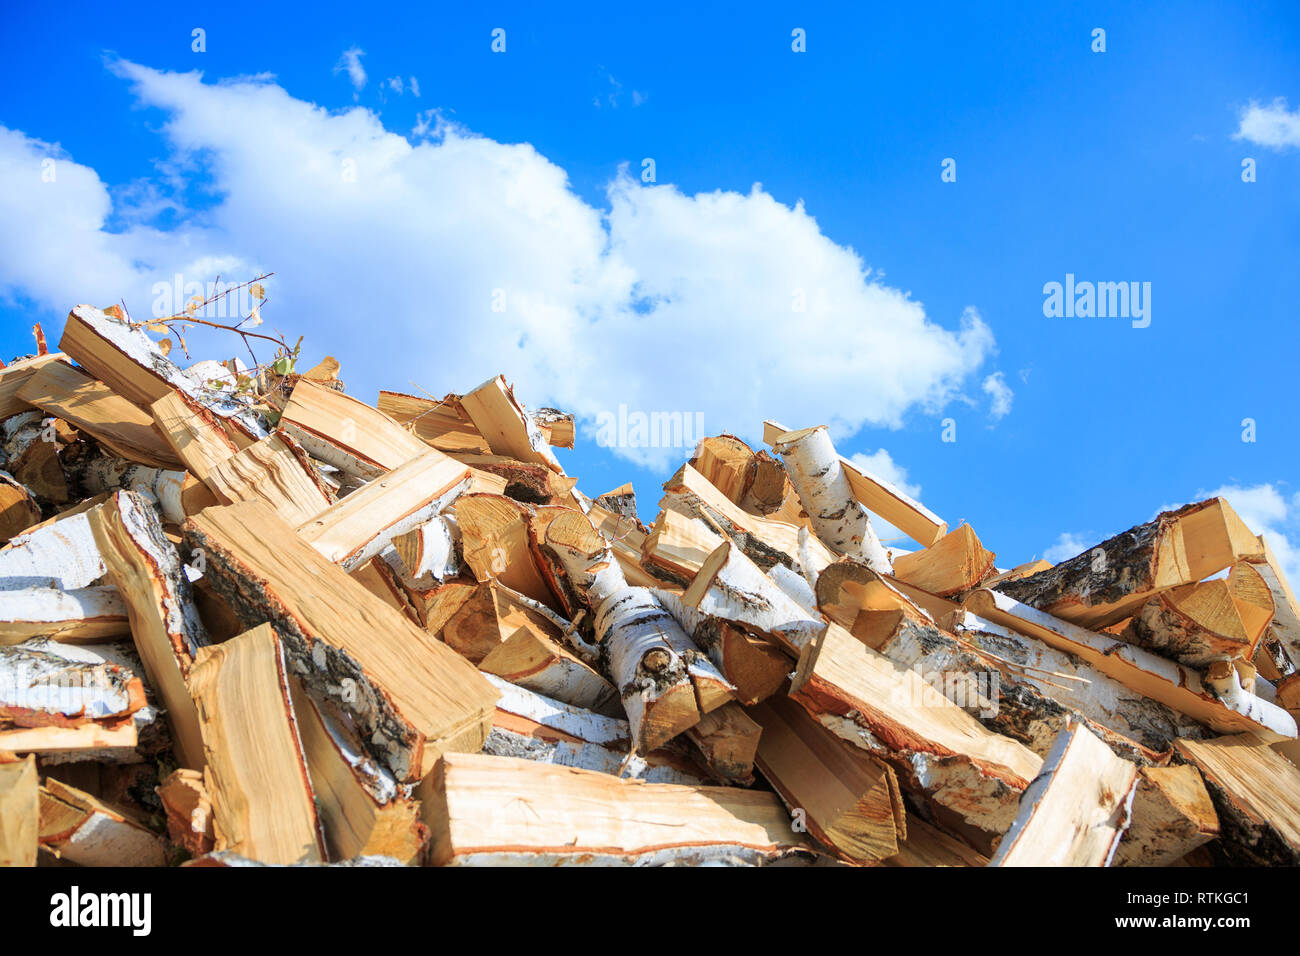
(248, 618)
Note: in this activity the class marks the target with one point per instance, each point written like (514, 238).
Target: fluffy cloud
(350, 63)
(1000, 395)
(1273, 126)
(446, 260)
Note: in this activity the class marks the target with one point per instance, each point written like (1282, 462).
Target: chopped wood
(879, 497)
(496, 810)
(848, 800)
(196, 437)
(15, 375)
(557, 427)
(1284, 632)
(728, 739)
(20, 807)
(731, 588)
(1076, 810)
(1196, 624)
(189, 811)
(412, 696)
(165, 486)
(81, 829)
(1113, 580)
(495, 543)
(676, 547)
(955, 563)
(1172, 815)
(428, 553)
(82, 615)
(533, 726)
(18, 507)
(765, 540)
(1222, 705)
(822, 483)
(1256, 792)
(276, 471)
(146, 569)
(926, 845)
(442, 424)
(262, 799)
(356, 528)
(98, 411)
(660, 675)
(345, 432)
(724, 461)
(498, 417)
(363, 810)
(935, 747)
(124, 358)
(504, 636)
(621, 501)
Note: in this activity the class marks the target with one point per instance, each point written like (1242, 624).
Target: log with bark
(1113, 580)
(1076, 810)
(19, 810)
(412, 697)
(1172, 815)
(499, 811)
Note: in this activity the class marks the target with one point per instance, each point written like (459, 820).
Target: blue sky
(504, 173)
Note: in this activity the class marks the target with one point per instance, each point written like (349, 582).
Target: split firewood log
(665, 683)
(1076, 810)
(1113, 580)
(497, 811)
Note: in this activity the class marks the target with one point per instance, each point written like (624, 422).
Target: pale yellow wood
(501, 810)
(19, 812)
(274, 471)
(1076, 811)
(262, 799)
(432, 698)
(850, 800)
(97, 410)
(499, 418)
(956, 562)
(442, 424)
(349, 530)
(195, 436)
(15, 375)
(363, 435)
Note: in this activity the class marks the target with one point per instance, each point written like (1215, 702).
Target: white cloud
(665, 302)
(1000, 394)
(350, 63)
(415, 87)
(1067, 546)
(1273, 126)
(396, 85)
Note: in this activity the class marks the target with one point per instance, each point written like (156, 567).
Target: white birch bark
(839, 520)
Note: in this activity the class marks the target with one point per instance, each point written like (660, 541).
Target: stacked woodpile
(279, 625)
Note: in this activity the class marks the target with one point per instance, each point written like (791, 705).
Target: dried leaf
(165, 345)
(254, 318)
(256, 291)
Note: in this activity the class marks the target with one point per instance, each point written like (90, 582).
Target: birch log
(61, 554)
(839, 520)
(262, 799)
(642, 645)
(497, 811)
(81, 829)
(937, 749)
(1112, 581)
(146, 569)
(533, 726)
(1076, 810)
(1196, 624)
(1256, 792)
(128, 361)
(1220, 703)
(1172, 815)
(82, 615)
